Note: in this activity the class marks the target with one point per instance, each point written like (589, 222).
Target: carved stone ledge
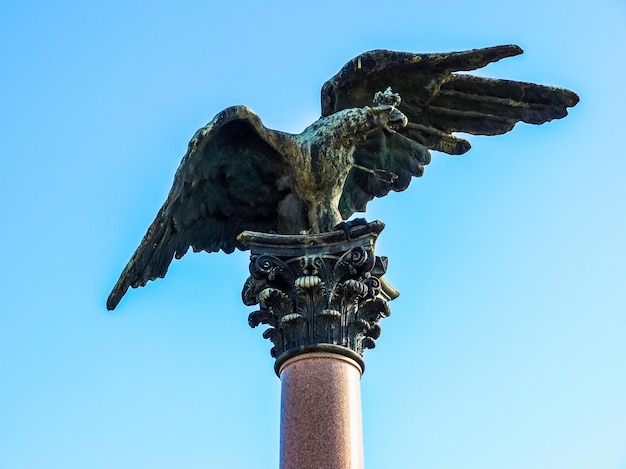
(318, 292)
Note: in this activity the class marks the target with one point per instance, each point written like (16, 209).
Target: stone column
(320, 422)
(322, 296)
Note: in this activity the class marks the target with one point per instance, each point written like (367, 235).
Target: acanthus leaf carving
(319, 292)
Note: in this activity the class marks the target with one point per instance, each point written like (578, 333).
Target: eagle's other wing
(225, 184)
(437, 102)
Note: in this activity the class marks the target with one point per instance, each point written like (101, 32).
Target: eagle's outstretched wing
(225, 184)
(437, 102)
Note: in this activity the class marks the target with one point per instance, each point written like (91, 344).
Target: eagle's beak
(397, 119)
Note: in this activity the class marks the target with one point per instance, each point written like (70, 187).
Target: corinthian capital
(318, 292)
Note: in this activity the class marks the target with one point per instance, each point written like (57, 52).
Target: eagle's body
(319, 161)
(239, 175)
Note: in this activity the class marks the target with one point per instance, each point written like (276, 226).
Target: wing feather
(225, 184)
(416, 77)
(486, 106)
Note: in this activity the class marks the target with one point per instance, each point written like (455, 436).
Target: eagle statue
(381, 114)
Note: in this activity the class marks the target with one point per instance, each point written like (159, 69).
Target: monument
(314, 275)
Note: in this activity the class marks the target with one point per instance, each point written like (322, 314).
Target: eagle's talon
(346, 226)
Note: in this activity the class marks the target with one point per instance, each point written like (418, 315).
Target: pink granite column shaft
(321, 423)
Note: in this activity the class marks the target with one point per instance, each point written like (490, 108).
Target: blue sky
(506, 347)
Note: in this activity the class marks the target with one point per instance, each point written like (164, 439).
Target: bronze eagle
(381, 114)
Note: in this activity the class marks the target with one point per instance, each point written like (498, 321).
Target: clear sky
(507, 346)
